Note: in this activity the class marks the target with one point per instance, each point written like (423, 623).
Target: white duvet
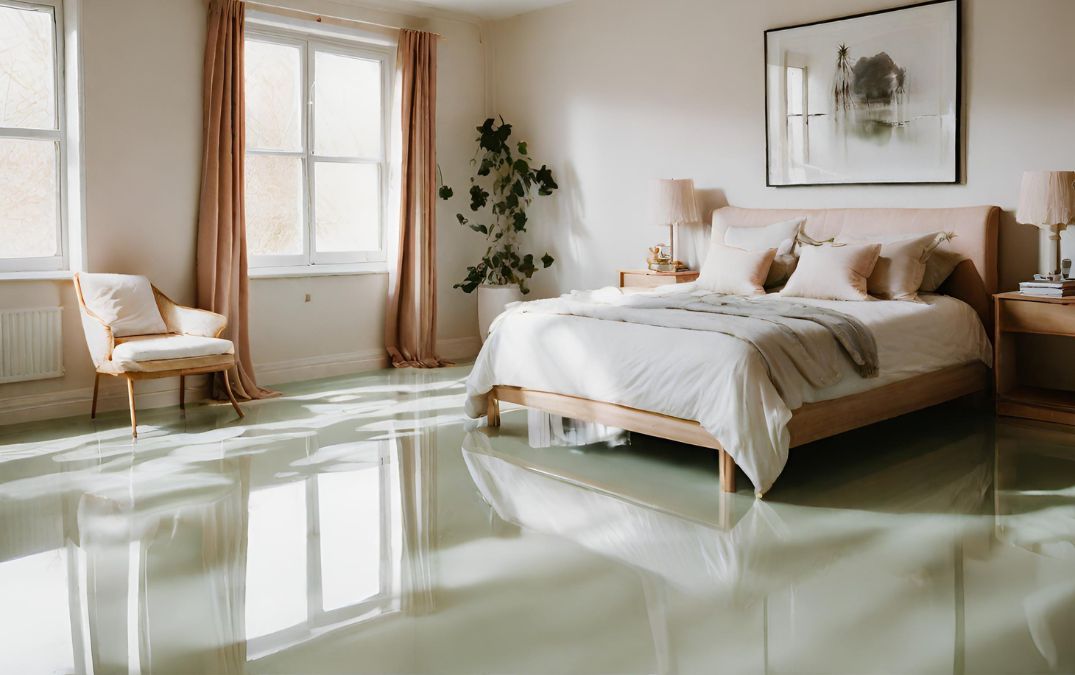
(718, 380)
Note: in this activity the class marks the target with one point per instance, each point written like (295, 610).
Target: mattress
(718, 380)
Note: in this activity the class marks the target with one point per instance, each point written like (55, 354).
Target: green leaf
(445, 192)
(518, 221)
(485, 167)
(521, 167)
(478, 197)
(461, 218)
(517, 189)
(547, 260)
(521, 147)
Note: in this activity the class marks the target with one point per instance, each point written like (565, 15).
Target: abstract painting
(865, 99)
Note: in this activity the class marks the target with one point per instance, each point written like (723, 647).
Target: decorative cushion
(781, 236)
(169, 347)
(939, 267)
(124, 302)
(833, 272)
(734, 271)
(901, 265)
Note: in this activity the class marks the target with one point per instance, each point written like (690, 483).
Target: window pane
(276, 559)
(273, 205)
(27, 78)
(273, 96)
(29, 218)
(795, 91)
(350, 536)
(348, 207)
(347, 106)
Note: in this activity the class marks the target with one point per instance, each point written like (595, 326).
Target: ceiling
(492, 9)
(481, 9)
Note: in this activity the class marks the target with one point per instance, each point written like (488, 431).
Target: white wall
(616, 93)
(142, 64)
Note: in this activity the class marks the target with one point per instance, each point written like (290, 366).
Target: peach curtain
(411, 314)
(221, 262)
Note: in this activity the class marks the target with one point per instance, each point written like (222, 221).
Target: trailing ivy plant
(500, 192)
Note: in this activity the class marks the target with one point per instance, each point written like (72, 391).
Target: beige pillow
(780, 236)
(939, 267)
(734, 271)
(901, 266)
(125, 302)
(833, 272)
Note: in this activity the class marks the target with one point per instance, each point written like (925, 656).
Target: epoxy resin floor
(362, 525)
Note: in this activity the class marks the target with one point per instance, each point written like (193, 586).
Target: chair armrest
(188, 320)
(99, 338)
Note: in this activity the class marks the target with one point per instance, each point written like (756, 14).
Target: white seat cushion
(155, 348)
(125, 302)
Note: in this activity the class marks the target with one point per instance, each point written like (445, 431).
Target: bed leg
(727, 472)
(492, 411)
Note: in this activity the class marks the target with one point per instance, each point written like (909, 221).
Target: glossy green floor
(362, 525)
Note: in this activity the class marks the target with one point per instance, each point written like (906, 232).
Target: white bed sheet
(716, 379)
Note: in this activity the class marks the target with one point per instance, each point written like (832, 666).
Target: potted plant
(501, 190)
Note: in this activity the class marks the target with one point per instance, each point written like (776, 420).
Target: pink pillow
(829, 272)
(734, 271)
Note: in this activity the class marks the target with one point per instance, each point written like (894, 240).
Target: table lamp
(676, 206)
(1047, 200)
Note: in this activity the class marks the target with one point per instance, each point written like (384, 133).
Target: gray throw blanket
(773, 326)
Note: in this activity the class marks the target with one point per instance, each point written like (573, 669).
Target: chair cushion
(158, 347)
(123, 301)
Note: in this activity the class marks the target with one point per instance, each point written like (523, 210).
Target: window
(315, 150)
(797, 117)
(33, 144)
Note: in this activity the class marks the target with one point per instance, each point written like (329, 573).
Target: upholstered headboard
(974, 280)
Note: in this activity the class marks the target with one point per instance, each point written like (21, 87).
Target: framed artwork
(866, 99)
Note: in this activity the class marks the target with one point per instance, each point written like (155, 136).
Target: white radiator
(31, 344)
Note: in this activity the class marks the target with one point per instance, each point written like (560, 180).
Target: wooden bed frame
(974, 281)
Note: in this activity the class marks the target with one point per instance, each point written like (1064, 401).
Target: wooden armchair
(136, 332)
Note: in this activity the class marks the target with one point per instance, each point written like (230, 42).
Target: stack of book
(1049, 289)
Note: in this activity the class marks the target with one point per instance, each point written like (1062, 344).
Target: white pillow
(901, 265)
(833, 272)
(123, 301)
(734, 271)
(780, 236)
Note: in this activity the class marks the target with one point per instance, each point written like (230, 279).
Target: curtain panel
(411, 314)
(221, 260)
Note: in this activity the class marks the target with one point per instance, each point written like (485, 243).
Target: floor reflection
(363, 525)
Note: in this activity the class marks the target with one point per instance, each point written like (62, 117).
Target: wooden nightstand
(1018, 313)
(649, 278)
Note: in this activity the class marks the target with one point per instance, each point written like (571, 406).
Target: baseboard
(111, 396)
(161, 393)
(459, 349)
(316, 367)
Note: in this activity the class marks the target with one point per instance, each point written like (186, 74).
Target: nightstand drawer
(649, 279)
(1036, 317)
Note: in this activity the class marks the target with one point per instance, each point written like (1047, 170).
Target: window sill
(317, 271)
(44, 275)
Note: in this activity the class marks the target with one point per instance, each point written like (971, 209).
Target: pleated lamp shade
(1047, 198)
(676, 204)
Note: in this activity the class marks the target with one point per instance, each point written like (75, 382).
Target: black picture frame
(958, 149)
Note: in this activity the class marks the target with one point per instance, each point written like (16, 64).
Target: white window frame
(310, 261)
(60, 136)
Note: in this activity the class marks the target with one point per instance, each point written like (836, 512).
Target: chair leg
(492, 411)
(182, 392)
(231, 396)
(93, 406)
(130, 402)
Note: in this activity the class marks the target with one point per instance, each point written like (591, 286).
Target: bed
(712, 391)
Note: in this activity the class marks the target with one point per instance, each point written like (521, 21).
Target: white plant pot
(491, 303)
